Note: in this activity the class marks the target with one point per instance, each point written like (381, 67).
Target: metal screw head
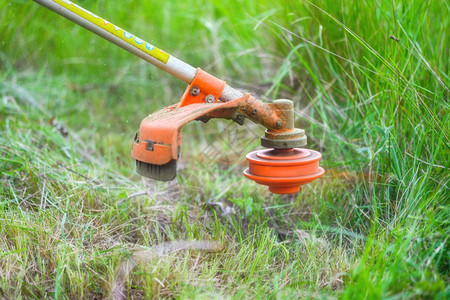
(210, 99)
(239, 118)
(194, 91)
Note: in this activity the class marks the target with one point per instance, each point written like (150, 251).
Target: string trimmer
(284, 166)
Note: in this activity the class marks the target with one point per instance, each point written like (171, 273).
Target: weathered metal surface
(293, 138)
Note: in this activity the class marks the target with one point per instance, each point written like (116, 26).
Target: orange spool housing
(284, 171)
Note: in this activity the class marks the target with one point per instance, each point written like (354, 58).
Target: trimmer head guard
(156, 147)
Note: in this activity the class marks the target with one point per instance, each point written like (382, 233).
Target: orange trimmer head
(284, 167)
(284, 170)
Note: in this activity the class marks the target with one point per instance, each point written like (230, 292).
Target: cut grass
(375, 226)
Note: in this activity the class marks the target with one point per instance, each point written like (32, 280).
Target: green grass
(72, 210)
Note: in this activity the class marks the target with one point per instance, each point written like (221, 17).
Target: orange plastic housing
(207, 84)
(284, 171)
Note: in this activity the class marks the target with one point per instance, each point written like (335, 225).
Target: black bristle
(165, 172)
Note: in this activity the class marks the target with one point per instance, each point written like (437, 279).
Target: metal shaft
(129, 42)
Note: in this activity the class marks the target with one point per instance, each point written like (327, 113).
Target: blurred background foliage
(370, 84)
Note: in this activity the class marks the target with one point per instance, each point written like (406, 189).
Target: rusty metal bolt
(285, 111)
(194, 91)
(283, 104)
(210, 99)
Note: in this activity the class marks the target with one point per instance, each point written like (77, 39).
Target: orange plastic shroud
(159, 136)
